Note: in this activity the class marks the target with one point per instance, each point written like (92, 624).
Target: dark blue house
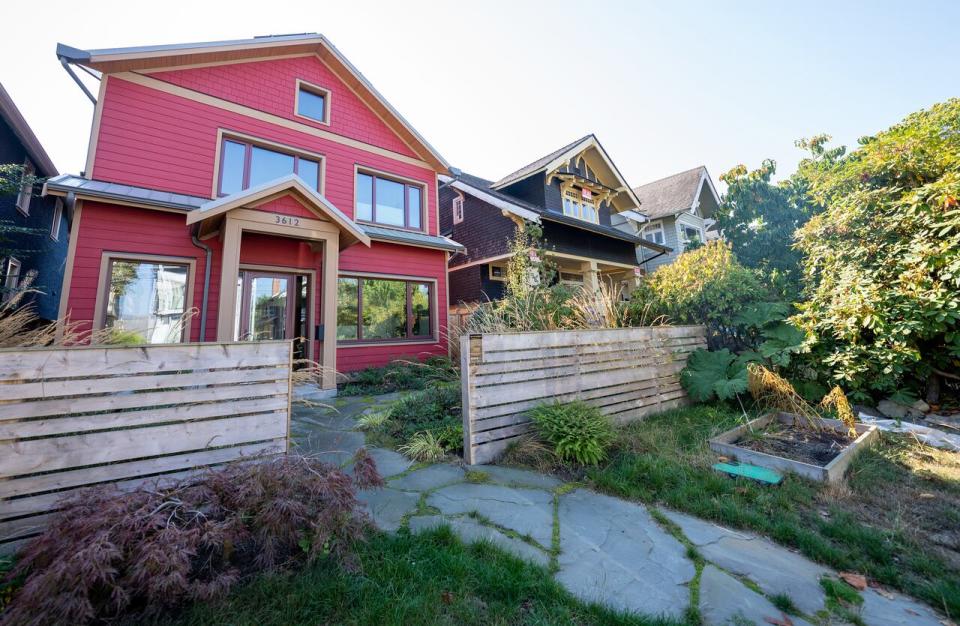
(34, 230)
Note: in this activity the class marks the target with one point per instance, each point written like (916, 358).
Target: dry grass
(773, 392)
(531, 451)
(837, 401)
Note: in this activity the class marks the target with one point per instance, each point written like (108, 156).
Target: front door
(273, 306)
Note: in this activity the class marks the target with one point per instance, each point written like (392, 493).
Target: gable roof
(560, 156)
(143, 58)
(483, 189)
(18, 124)
(292, 184)
(675, 193)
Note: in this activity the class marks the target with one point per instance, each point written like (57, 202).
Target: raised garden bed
(776, 442)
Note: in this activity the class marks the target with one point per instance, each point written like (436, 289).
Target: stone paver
(516, 477)
(389, 463)
(528, 512)
(612, 551)
(898, 610)
(773, 568)
(470, 530)
(387, 507)
(429, 478)
(725, 601)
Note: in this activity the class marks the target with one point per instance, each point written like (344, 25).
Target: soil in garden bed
(797, 444)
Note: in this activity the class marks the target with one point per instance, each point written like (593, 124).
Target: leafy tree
(759, 219)
(882, 262)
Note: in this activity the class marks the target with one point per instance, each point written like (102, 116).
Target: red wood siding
(112, 228)
(271, 86)
(153, 139)
(287, 205)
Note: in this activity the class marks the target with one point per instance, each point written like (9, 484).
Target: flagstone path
(628, 556)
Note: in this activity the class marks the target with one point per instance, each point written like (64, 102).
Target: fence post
(468, 344)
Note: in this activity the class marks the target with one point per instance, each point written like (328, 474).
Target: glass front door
(273, 306)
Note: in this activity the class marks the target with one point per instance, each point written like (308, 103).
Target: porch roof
(85, 188)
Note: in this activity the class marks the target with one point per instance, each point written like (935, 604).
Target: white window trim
(457, 208)
(503, 272)
(578, 204)
(57, 218)
(652, 228)
(26, 188)
(11, 279)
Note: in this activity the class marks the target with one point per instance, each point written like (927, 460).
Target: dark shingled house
(588, 212)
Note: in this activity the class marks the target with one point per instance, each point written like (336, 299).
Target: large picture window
(244, 165)
(378, 309)
(389, 202)
(147, 298)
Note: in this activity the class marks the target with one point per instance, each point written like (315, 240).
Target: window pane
(232, 167)
(364, 197)
(147, 299)
(347, 308)
(309, 171)
(420, 299)
(389, 202)
(413, 207)
(384, 309)
(312, 105)
(267, 165)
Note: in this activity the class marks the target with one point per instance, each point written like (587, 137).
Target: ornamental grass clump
(578, 432)
(111, 555)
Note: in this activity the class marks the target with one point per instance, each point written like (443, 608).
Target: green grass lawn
(430, 578)
(897, 519)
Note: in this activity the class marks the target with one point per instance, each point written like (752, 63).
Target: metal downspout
(206, 279)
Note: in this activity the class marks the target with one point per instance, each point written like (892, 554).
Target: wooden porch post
(229, 271)
(331, 256)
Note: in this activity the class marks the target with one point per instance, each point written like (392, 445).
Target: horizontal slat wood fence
(75, 417)
(625, 372)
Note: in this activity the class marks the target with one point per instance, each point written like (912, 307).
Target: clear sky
(496, 84)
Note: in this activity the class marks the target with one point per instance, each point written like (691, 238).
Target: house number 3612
(287, 221)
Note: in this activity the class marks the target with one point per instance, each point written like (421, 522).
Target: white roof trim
(705, 176)
(490, 199)
(577, 148)
(634, 216)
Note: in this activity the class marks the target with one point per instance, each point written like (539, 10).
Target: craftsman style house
(588, 213)
(255, 189)
(33, 230)
(680, 208)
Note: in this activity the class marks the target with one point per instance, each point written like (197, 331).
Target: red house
(263, 186)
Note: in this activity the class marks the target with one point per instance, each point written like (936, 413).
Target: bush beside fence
(73, 417)
(625, 372)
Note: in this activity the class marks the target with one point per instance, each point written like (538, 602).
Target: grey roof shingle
(539, 163)
(670, 195)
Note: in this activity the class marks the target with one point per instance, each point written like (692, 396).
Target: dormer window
(313, 102)
(581, 204)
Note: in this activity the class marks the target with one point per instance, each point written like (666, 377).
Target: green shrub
(882, 262)
(423, 447)
(577, 431)
(703, 286)
(435, 410)
(399, 375)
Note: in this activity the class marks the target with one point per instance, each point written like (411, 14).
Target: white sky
(494, 85)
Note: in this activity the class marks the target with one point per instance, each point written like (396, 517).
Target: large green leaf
(782, 340)
(761, 314)
(716, 374)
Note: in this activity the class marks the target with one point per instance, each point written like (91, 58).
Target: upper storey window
(313, 102)
(244, 165)
(581, 204)
(389, 202)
